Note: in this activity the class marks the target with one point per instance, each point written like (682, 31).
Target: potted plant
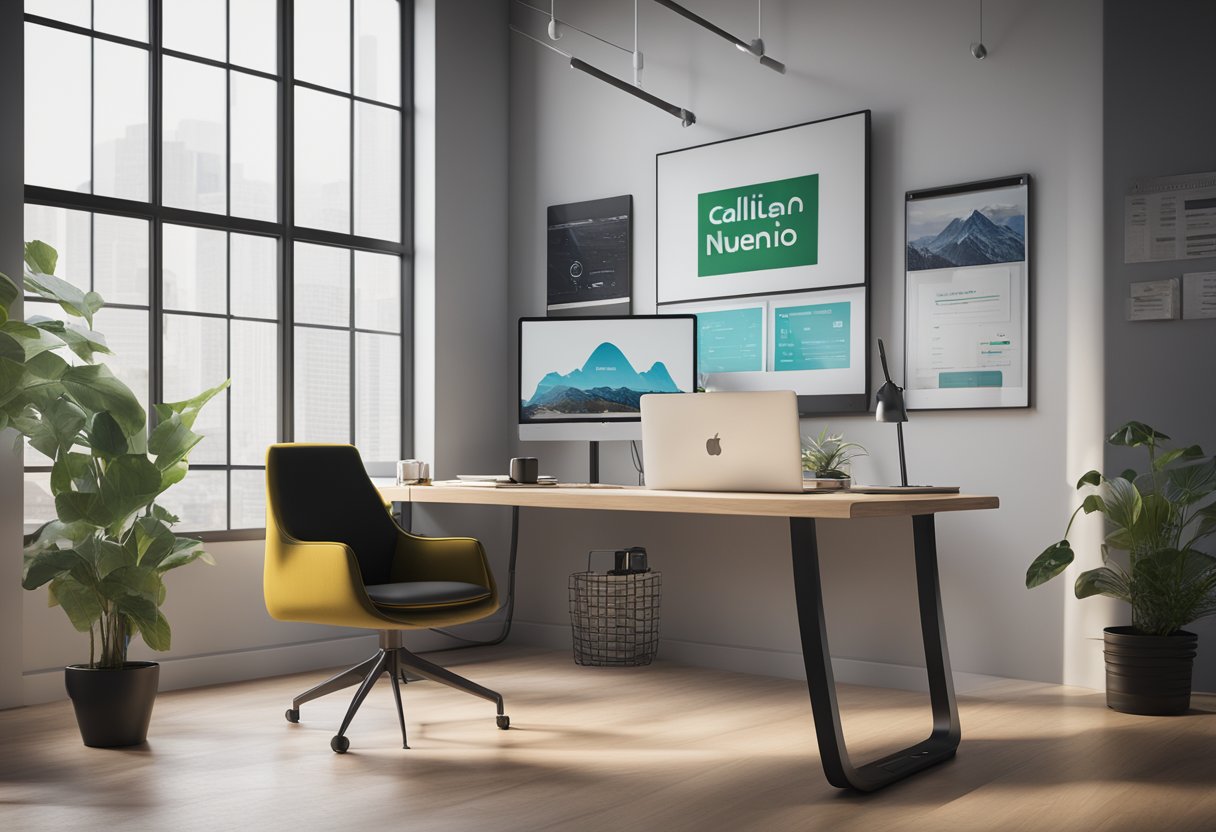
(1157, 519)
(827, 458)
(104, 556)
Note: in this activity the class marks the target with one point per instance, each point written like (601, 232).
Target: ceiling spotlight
(754, 48)
(978, 50)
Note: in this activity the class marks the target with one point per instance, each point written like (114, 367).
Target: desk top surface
(835, 505)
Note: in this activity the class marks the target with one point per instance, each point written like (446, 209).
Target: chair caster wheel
(504, 721)
(339, 744)
(293, 715)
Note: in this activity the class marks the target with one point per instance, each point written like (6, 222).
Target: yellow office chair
(334, 555)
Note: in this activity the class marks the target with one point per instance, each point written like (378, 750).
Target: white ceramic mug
(412, 471)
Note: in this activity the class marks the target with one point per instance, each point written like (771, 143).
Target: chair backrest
(322, 493)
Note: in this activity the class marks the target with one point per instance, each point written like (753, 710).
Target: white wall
(939, 117)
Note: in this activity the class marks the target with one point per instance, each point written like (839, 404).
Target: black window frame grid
(283, 229)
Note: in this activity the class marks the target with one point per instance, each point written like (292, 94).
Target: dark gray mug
(525, 469)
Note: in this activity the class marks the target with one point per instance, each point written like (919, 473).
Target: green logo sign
(769, 225)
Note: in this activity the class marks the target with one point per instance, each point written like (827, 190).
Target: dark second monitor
(583, 378)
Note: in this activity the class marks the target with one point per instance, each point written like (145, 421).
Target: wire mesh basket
(615, 617)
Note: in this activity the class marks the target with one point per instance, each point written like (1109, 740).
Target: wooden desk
(802, 511)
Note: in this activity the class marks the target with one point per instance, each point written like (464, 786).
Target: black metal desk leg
(808, 593)
(946, 726)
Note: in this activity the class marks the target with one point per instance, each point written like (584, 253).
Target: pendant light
(978, 50)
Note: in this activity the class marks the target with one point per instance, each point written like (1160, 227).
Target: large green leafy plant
(105, 555)
(1157, 520)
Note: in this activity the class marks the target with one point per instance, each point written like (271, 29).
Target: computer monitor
(583, 378)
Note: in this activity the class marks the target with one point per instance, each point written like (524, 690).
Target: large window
(229, 175)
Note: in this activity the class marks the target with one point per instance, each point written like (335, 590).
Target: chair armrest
(441, 559)
(317, 582)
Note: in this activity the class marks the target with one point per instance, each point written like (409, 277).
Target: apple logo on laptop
(713, 446)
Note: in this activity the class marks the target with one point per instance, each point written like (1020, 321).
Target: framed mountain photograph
(967, 295)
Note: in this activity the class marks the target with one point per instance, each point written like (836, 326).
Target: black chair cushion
(322, 492)
(425, 593)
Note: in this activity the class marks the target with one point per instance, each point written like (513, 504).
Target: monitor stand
(594, 463)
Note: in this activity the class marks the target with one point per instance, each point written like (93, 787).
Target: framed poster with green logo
(766, 238)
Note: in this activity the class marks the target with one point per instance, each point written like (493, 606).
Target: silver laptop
(722, 442)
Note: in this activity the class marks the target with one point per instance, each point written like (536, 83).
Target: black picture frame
(914, 397)
(589, 257)
(808, 404)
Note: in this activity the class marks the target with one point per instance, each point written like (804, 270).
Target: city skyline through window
(232, 183)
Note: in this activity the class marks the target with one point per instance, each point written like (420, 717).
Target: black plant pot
(113, 706)
(1149, 675)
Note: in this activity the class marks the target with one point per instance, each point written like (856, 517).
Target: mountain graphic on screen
(974, 241)
(606, 383)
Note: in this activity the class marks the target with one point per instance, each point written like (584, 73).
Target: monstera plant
(1155, 557)
(104, 556)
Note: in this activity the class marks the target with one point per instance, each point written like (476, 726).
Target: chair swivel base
(394, 660)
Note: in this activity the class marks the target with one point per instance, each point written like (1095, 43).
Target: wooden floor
(667, 747)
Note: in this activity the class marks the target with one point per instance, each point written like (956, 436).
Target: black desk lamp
(891, 408)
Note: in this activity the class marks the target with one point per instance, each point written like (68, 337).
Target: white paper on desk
(1154, 300)
(1170, 218)
(1199, 295)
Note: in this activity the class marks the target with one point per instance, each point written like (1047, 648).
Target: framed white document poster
(766, 239)
(967, 295)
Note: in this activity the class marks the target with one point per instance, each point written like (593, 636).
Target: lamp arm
(903, 466)
(882, 356)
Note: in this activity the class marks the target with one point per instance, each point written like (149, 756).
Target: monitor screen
(583, 378)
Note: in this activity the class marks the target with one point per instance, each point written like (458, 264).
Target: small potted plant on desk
(827, 458)
(104, 557)
(1157, 519)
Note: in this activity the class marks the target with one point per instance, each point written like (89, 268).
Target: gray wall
(940, 117)
(11, 197)
(1160, 120)
(462, 399)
